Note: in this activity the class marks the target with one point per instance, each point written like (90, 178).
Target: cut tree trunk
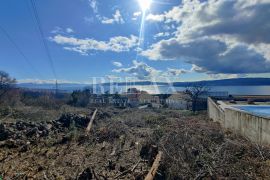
(91, 122)
(151, 174)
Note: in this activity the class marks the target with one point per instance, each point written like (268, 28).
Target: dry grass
(193, 147)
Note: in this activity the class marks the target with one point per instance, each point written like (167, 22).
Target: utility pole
(56, 88)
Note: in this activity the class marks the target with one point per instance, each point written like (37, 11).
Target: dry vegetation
(38, 143)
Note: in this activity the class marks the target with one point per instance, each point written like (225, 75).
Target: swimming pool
(257, 110)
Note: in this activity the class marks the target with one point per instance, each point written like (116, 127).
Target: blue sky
(183, 41)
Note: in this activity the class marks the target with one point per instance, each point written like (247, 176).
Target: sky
(74, 41)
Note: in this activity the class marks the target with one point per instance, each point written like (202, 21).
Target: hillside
(123, 144)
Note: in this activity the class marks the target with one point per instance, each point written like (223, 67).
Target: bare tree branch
(194, 91)
(6, 83)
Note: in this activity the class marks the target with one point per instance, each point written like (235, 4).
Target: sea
(156, 89)
(164, 89)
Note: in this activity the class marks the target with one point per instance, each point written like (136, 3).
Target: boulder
(81, 120)
(31, 132)
(21, 125)
(67, 120)
(86, 175)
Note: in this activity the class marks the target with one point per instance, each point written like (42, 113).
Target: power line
(43, 37)
(19, 50)
(29, 8)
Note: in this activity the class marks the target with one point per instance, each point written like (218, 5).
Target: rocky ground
(123, 144)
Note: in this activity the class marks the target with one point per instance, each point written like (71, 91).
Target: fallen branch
(123, 173)
(113, 152)
(94, 173)
(128, 170)
(136, 165)
(151, 174)
(91, 123)
(44, 175)
(103, 145)
(260, 152)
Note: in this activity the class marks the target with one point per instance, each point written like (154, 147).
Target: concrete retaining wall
(215, 112)
(255, 128)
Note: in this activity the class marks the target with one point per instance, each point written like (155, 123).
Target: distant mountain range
(230, 82)
(62, 86)
(223, 82)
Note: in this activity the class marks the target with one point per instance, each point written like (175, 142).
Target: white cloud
(217, 37)
(211, 56)
(246, 20)
(140, 70)
(113, 77)
(89, 19)
(94, 5)
(136, 15)
(59, 30)
(139, 13)
(157, 18)
(161, 34)
(117, 64)
(143, 71)
(176, 72)
(177, 13)
(84, 46)
(117, 18)
(249, 24)
(69, 30)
